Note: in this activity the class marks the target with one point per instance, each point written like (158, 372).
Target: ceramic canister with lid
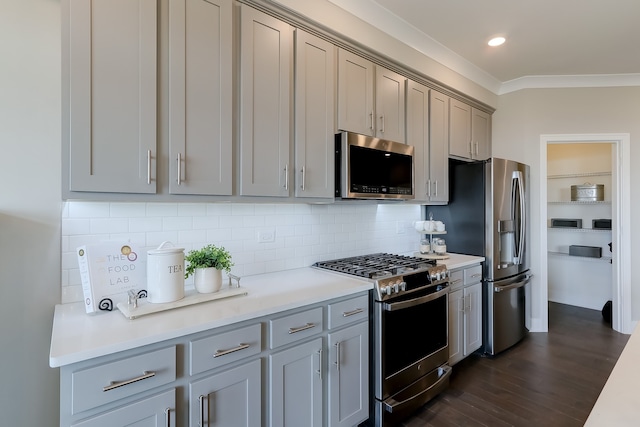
(165, 273)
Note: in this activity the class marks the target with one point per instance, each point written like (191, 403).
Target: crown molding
(573, 81)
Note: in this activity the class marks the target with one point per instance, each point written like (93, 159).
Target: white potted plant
(206, 265)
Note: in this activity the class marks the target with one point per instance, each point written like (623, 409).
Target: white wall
(29, 208)
(523, 116)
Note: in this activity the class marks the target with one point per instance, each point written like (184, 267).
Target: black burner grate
(376, 265)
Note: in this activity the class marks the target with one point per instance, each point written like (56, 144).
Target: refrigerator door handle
(516, 285)
(518, 182)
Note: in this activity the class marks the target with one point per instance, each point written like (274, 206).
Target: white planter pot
(207, 280)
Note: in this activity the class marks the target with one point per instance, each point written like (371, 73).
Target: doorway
(620, 215)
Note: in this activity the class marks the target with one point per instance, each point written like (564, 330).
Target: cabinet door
(456, 326)
(390, 106)
(155, 411)
(481, 134)
(355, 93)
(438, 147)
(266, 49)
(460, 129)
(314, 116)
(200, 97)
(230, 398)
(418, 136)
(110, 61)
(473, 318)
(295, 386)
(349, 376)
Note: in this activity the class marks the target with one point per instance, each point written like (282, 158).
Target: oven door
(410, 339)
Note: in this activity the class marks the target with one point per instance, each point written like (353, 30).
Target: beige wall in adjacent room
(524, 115)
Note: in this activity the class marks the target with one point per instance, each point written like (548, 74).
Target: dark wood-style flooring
(548, 379)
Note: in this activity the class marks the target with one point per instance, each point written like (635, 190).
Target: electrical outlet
(267, 235)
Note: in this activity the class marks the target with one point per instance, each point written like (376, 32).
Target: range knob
(386, 290)
(403, 286)
(396, 288)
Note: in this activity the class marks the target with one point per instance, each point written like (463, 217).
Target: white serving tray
(431, 256)
(190, 297)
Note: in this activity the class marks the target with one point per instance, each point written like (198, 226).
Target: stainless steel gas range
(409, 338)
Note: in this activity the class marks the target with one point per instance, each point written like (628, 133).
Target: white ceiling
(596, 38)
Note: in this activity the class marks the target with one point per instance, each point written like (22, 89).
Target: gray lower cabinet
(229, 398)
(109, 69)
(295, 385)
(465, 313)
(155, 411)
(200, 97)
(266, 58)
(348, 376)
(307, 366)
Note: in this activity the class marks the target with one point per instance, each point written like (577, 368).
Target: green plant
(208, 256)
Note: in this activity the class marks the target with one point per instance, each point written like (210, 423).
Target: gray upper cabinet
(200, 97)
(460, 129)
(371, 99)
(355, 93)
(481, 134)
(109, 95)
(266, 53)
(314, 116)
(438, 147)
(390, 105)
(427, 130)
(469, 132)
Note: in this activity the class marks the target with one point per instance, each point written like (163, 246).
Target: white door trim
(621, 225)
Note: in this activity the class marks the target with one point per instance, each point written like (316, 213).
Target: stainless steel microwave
(373, 168)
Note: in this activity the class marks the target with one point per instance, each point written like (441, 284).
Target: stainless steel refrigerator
(487, 215)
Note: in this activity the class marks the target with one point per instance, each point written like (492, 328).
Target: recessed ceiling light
(496, 41)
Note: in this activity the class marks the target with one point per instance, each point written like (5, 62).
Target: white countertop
(77, 336)
(619, 400)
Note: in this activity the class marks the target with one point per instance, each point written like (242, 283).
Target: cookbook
(108, 271)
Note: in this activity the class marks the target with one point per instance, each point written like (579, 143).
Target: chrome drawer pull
(116, 384)
(352, 312)
(301, 328)
(167, 417)
(242, 346)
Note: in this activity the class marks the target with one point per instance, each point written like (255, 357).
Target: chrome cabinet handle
(371, 120)
(428, 188)
(220, 353)
(179, 167)
(454, 282)
(382, 123)
(319, 371)
(303, 178)
(301, 328)
(286, 176)
(337, 363)
(201, 403)
(436, 183)
(167, 417)
(352, 312)
(148, 166)
(115, 384)
(477, 151)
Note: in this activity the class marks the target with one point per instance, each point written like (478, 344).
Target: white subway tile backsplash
(303, 234)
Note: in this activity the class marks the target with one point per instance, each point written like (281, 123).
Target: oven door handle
(415, 301)
(391, 404)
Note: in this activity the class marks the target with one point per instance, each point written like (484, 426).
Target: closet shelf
(567, 202)
(578, 175)
(564, 254)
(581, 230)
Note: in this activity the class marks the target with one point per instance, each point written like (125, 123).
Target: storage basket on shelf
(587, 193)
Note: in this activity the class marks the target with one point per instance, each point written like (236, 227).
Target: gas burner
(376, 266)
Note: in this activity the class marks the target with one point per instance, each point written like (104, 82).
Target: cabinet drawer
(295, 327)
(473, 275)
(456, 279)
(212, 352)
(349, 311)
(111, 381)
